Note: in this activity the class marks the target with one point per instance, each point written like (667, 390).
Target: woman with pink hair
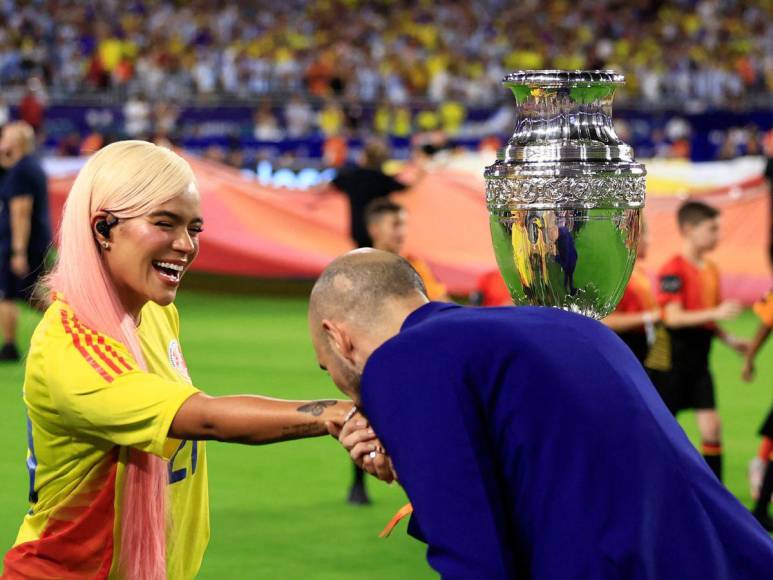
(116, 430)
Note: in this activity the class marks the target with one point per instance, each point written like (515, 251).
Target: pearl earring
(105, 244)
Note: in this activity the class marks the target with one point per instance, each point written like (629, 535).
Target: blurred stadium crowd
(713, 51)
(330, 70)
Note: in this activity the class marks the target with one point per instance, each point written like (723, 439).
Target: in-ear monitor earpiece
(103, 227)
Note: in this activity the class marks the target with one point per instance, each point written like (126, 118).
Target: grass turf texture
(278, 511)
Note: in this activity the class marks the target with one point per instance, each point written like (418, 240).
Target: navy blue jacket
(26, 178)
(532, 445)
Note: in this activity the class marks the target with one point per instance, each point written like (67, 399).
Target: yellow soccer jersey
(87, 404)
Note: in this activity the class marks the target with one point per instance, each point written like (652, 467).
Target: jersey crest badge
(177, 361)
(670, 284)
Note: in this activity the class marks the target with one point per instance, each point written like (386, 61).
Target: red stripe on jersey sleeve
(100, 340)
(76, 341)
(117, 356)
(88, 337)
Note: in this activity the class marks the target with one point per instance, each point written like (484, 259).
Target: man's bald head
(18, 140)
(358, 285)
(360, 301)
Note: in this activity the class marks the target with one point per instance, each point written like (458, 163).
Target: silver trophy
(565, 194)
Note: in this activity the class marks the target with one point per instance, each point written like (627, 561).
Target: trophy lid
(565, 117)
(563, 78)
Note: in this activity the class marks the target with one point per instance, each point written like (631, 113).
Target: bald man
(25, 227)
(529, 440)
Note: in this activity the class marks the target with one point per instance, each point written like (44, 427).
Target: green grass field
(278, 511)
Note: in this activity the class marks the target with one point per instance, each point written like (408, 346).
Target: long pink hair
(127, 179)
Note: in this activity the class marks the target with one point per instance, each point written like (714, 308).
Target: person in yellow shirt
(452, 115)
(116, 428)
(386, 222)
(401, 122)
(330, 119)
(427, 119)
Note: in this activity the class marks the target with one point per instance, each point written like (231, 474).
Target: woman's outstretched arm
(253, 419)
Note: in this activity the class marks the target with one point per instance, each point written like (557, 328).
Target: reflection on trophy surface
(565, 194)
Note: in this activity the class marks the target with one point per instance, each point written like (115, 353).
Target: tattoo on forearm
(316, 408)
(301, 430)
(296, 432)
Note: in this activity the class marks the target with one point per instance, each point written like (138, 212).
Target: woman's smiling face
(149, 254)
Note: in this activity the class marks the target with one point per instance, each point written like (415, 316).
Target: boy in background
(637, 314)
(761, 469)
(491, 290)
(689, 294)
(386, 221)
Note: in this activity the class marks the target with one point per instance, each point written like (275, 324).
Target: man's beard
(353, 380)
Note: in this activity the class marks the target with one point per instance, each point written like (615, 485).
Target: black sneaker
(765, 521)
(9, 353)
(358, 495)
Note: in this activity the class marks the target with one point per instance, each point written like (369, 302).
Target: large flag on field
(263, 231)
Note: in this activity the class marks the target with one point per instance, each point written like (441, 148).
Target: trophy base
(575, 259)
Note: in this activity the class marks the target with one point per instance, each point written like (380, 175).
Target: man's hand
(19, 265)
(364, 447)
(379, 465)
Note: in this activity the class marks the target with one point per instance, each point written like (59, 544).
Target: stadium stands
(396, 51)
